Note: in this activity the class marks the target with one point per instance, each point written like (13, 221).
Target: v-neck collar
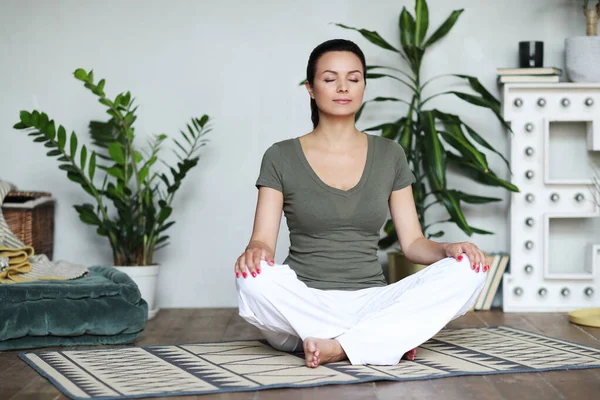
(313, 174)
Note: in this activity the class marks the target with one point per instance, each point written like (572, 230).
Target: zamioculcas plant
(141, 195)
(432, 139)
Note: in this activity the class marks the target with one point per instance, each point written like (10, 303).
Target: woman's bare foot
(322, 351)
(410, 355)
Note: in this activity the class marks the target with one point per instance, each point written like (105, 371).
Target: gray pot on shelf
(582, 58)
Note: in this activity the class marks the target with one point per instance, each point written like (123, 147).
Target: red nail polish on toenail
(245, 275)
(459, 258)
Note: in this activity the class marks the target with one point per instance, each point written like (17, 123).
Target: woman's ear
(310, 89)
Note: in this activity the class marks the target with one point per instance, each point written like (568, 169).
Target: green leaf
(473, 199)
(106, 102)
(25, 118)
(485, 144)
(435, 235)
(414, 55)
(137, 157)
(116, 153)
(372, 37)
(472, 171)
(69, 168)
(83, 157)
(444, 28)
(360, 111)
(203, 120)
(50, 130)
(80, 74)
(434, 154)
(53, 153)
(73, 144)
(481, 231)
(20, 125)
(40, 139)
(92, 166)
(117, 172)
(452, 205)
(378, 76)
(421, 21)
(164, 214)
(406, 23)
(62, 137)
(143, 174)
(75, 177)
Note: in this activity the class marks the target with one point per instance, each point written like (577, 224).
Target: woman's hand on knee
(250, 261)
(475, 255)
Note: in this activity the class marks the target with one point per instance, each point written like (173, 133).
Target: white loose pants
(374, 325)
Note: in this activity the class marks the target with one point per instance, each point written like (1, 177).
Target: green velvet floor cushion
(103, 307)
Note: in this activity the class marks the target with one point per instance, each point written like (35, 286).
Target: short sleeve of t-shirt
(270, 170)
(404, 176)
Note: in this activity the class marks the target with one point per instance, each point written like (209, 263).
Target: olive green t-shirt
(334, 233)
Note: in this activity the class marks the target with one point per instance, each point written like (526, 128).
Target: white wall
(240, 62)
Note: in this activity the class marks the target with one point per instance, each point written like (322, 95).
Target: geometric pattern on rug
(200, 368)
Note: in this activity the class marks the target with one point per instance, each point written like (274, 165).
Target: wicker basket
(30, 216)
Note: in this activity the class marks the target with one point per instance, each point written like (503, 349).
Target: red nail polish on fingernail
(459, 258)
(253, 274)
(477, 270)
(245, 274)
(473, 267)
(258, 270)
(237, 274)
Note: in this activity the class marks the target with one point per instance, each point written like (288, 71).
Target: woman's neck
(337, 133)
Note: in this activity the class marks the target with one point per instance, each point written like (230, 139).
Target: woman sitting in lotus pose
(335, 186)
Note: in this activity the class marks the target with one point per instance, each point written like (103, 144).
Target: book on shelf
(528, 78)
(530, 71)
(498, 263)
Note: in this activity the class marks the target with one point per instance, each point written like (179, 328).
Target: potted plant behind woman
(432, 139)
(141, 195)
(582, 53)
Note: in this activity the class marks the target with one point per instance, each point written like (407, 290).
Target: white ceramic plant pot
(146, 278)
(582, 58)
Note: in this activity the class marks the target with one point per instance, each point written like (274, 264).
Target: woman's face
(339, 84)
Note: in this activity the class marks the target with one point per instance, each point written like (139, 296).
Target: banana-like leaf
(435, 235)
(481, 231)
(482, 102)
(360, 111)
(407, 131)
(473, 199)
(452, 205)
(455, 119)
(434, 152)
(372, 37)
(377, 76)
(371, 67)
(421, 21)
(414, 55)
(380, 99)
(406, 24)
(455, 137)
(444, 28)
(472, 171)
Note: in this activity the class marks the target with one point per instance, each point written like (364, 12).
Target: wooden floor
(18, 381)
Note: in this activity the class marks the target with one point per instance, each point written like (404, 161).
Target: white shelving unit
(554, 229)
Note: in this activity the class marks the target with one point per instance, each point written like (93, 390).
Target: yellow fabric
(18, 263)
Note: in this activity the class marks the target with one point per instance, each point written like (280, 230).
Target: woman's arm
(263, 241)
(414, 245)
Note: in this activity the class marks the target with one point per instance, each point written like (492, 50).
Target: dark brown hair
(311, 68)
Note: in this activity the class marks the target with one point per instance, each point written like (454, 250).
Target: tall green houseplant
(134, 199)
(433, 139)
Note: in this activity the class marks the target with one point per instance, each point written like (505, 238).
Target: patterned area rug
(199, 368)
